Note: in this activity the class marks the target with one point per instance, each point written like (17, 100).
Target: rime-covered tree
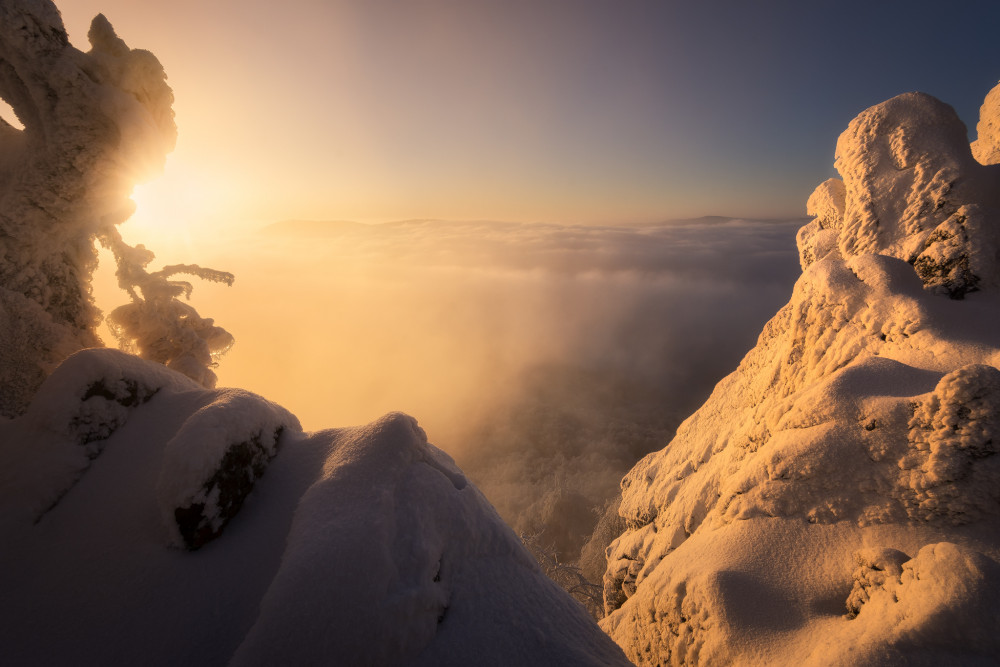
(95, 124)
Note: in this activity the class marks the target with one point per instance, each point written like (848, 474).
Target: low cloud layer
(546, 359)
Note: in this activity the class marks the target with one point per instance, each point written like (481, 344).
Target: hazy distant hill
(334, 228)
(722, 219)
(315, 228)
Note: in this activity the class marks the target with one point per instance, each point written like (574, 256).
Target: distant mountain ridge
(314, 228)
(320, 228)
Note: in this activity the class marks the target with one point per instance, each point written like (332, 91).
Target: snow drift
(149, 520)
(837, 498)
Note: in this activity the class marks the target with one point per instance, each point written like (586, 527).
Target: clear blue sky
(556, 110)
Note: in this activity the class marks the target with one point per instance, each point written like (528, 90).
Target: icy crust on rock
(951, 470)
(352, 546)
(94, 124)
(853, 452)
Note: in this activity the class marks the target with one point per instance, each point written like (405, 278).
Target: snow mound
(79, 406)
(861, 428)
(945, 585)
(361, 545)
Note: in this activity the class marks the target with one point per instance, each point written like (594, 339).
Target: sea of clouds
(545, 359)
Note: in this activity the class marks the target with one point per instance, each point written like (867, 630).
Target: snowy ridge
(837, 498)
(350, 546)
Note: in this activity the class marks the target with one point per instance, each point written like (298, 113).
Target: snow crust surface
(361, 545)
(837, 498)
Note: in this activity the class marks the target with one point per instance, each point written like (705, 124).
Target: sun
(7, 114)
(182, 204)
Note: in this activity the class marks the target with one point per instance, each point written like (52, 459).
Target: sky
(568, 111)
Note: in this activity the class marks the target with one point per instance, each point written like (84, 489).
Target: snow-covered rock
(911, 189)
(818, 238)
(350, 546)
(89, 397)
(986, 147)
(796, 516)
(210, 466)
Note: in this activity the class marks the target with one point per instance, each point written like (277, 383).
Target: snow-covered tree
(95, 124)
(157, 325)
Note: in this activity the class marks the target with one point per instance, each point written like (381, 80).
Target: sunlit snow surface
(356, 546)
(837, 498)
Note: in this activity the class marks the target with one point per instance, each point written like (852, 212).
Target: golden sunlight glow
(182, 204)
(7, 114)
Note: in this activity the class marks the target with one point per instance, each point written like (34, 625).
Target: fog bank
(546, 359)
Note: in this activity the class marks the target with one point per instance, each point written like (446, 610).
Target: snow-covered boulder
(350, 546)
(851, 455)
(210, 466)
(911, 189)
(76, 410)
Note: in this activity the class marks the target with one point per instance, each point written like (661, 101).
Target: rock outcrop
(852, 452)
(986, 147)
(911, 189)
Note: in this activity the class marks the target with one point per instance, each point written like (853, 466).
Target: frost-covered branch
(156, 325)
(569, 577)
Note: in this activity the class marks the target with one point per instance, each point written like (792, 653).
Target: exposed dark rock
(241, 466)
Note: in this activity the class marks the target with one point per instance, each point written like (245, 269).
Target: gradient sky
(530, 110)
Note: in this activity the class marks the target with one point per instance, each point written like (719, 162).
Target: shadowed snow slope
(837, 498)
(356, 546)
